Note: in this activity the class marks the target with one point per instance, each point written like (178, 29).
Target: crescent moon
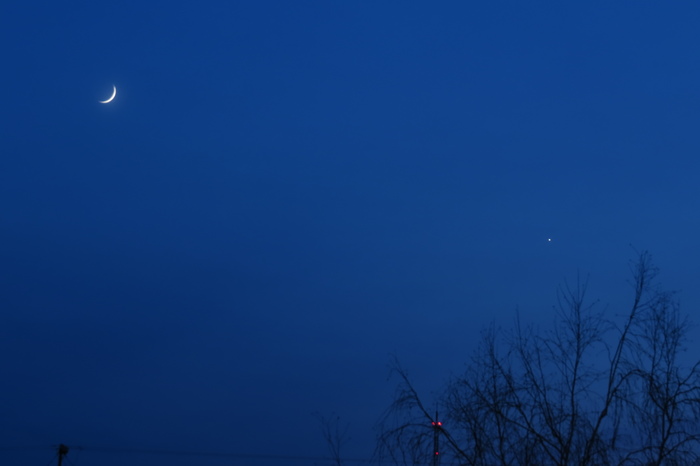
(114, 94)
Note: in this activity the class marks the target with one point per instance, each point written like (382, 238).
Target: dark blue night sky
(284, 194)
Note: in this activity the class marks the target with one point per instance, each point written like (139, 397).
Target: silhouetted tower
(437, 427)
(62, 451)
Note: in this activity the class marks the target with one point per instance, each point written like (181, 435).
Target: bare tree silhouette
(588, 391)
(335, 434)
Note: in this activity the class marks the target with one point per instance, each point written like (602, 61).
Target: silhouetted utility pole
(62, 451)
(437, 426)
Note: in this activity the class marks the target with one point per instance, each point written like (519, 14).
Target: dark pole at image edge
(62, 451)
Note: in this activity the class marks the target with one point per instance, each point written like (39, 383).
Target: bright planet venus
(114, 94)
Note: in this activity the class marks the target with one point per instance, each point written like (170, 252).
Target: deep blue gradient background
(285, 193)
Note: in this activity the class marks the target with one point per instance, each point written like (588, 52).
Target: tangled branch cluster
(589, 391)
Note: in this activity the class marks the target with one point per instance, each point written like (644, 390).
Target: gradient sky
(283, 194)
